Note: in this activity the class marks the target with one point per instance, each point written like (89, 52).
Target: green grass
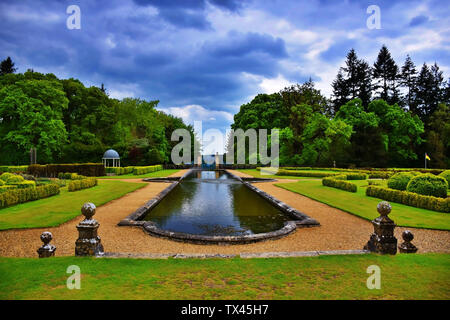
(414, 276)
(366, 207)
(255, 173)
(161, 173)
(53, 211)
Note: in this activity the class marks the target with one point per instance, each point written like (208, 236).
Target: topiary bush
(446, 175)
(14, 179)
(400, 180)
(428, 185)
(5, 176)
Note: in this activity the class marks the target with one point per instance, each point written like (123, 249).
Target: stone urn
(88, 242)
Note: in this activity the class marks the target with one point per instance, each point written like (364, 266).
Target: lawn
(53, 211)
(362, 206)
(414, 276)
(255, 173)
(161, 173)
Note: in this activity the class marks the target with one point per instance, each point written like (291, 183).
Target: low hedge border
(148, 169)
(76, 185)
(13, 169)
(17, 196)
(120, 170)
(283, 172)
(339, 182)
(409, 198)
(52, 170)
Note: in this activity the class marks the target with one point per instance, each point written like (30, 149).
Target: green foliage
(400, 180)
(13, 169)
(446, 175)
(22, 195)
(340, 182)
(148, 169)
(54, 170)
(428, 185)
(120, 170)
(5, 176)
(14, 179)
(409, 198)
(80, 184)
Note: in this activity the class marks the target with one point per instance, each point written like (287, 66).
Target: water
(213, 203)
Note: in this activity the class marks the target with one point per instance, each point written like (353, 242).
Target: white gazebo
(111, 155)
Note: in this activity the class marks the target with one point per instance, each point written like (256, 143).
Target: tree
(438, 137)
(305, 94)
(31, 113)
(353, 81)
(430, 91)
(385, 73)
(409, 80)
(7, 66)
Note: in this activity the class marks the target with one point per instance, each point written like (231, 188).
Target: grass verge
(365, 207)
(55, 210)
(414, 276)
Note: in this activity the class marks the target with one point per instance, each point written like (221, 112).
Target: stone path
(338, 231)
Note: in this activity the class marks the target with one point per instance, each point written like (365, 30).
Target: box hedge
(16, 196)
(446, 175)
(76, 185)
(428, 185)
(120, 170)
(339, 182)
(148, 169)
(53, 170)
(400, 180)
(409, 198)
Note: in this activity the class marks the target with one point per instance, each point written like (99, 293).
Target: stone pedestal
(382, 239)
(88, 242)
(47, 250)
(407, 246)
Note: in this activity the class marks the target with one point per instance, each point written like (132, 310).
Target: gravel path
(338, 230)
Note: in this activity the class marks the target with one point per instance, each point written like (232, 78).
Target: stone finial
(88, 210)
(384, 208)
(407, 246)
(46, 250)
(88, 242)
(382, 239)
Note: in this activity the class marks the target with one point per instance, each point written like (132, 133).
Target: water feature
(212, 203)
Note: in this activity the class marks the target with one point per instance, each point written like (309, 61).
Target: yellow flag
(427, 157)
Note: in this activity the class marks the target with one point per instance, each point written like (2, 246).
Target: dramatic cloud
(202, 59)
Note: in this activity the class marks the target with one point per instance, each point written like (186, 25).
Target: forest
(378, 116)
(67, 122)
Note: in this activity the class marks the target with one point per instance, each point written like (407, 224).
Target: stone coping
(300, 219)
(292, 254)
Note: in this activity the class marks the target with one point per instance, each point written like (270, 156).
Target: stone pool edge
(150, 227)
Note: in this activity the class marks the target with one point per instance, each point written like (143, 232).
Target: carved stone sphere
(88, 210)
(384, 208)
(407, 236)
(46, 237)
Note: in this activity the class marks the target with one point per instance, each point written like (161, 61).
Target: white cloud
(194, 112)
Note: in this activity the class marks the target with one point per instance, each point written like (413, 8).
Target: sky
(203, 59)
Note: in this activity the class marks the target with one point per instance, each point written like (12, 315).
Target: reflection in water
(213, 203)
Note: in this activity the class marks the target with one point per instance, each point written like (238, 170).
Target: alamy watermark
(74, 20)
(256, 142)
(374, 20)
(74, 280)
(374, 280)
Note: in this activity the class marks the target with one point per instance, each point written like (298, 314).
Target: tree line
(69, 123)
(378, 116)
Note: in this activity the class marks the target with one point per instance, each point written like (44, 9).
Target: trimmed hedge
(53, 170)
(400, 180)
(14, 179)
(357, 176)
(17, 196)
(409, 198)
(76, 185)
(5, 176)
(13, 169)
(446, 176)
(340, 182)
(283, 172)
(148, 169)
(428, 185)
(120, 170)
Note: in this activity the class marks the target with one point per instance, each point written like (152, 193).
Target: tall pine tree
(7, 66)
(430, 91)
(385, 74)
(409, 81)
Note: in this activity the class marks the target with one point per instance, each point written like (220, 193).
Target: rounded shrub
(399, 181)
(5, 176)
(2, 182)
(15, 179)
(428, 185)
(446, 175)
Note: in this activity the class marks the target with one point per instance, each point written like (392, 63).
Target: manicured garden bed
(53, 211)
(416, 276)
(361, 205)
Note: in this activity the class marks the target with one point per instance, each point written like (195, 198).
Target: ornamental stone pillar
(47, 250)
(407, 246)
(382, 239)
(88, 242)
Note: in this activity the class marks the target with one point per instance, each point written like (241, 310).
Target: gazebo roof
(111, 154)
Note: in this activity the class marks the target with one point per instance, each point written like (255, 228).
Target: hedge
(76, 185)
(5, 176)
(446, 176)
(52, 170)
(120, 170)
(428, 185)
(148, 169)
(400, 180)
(339, 182)
(13, 169)
(283, 172)
(409, 198)
(17, 196)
